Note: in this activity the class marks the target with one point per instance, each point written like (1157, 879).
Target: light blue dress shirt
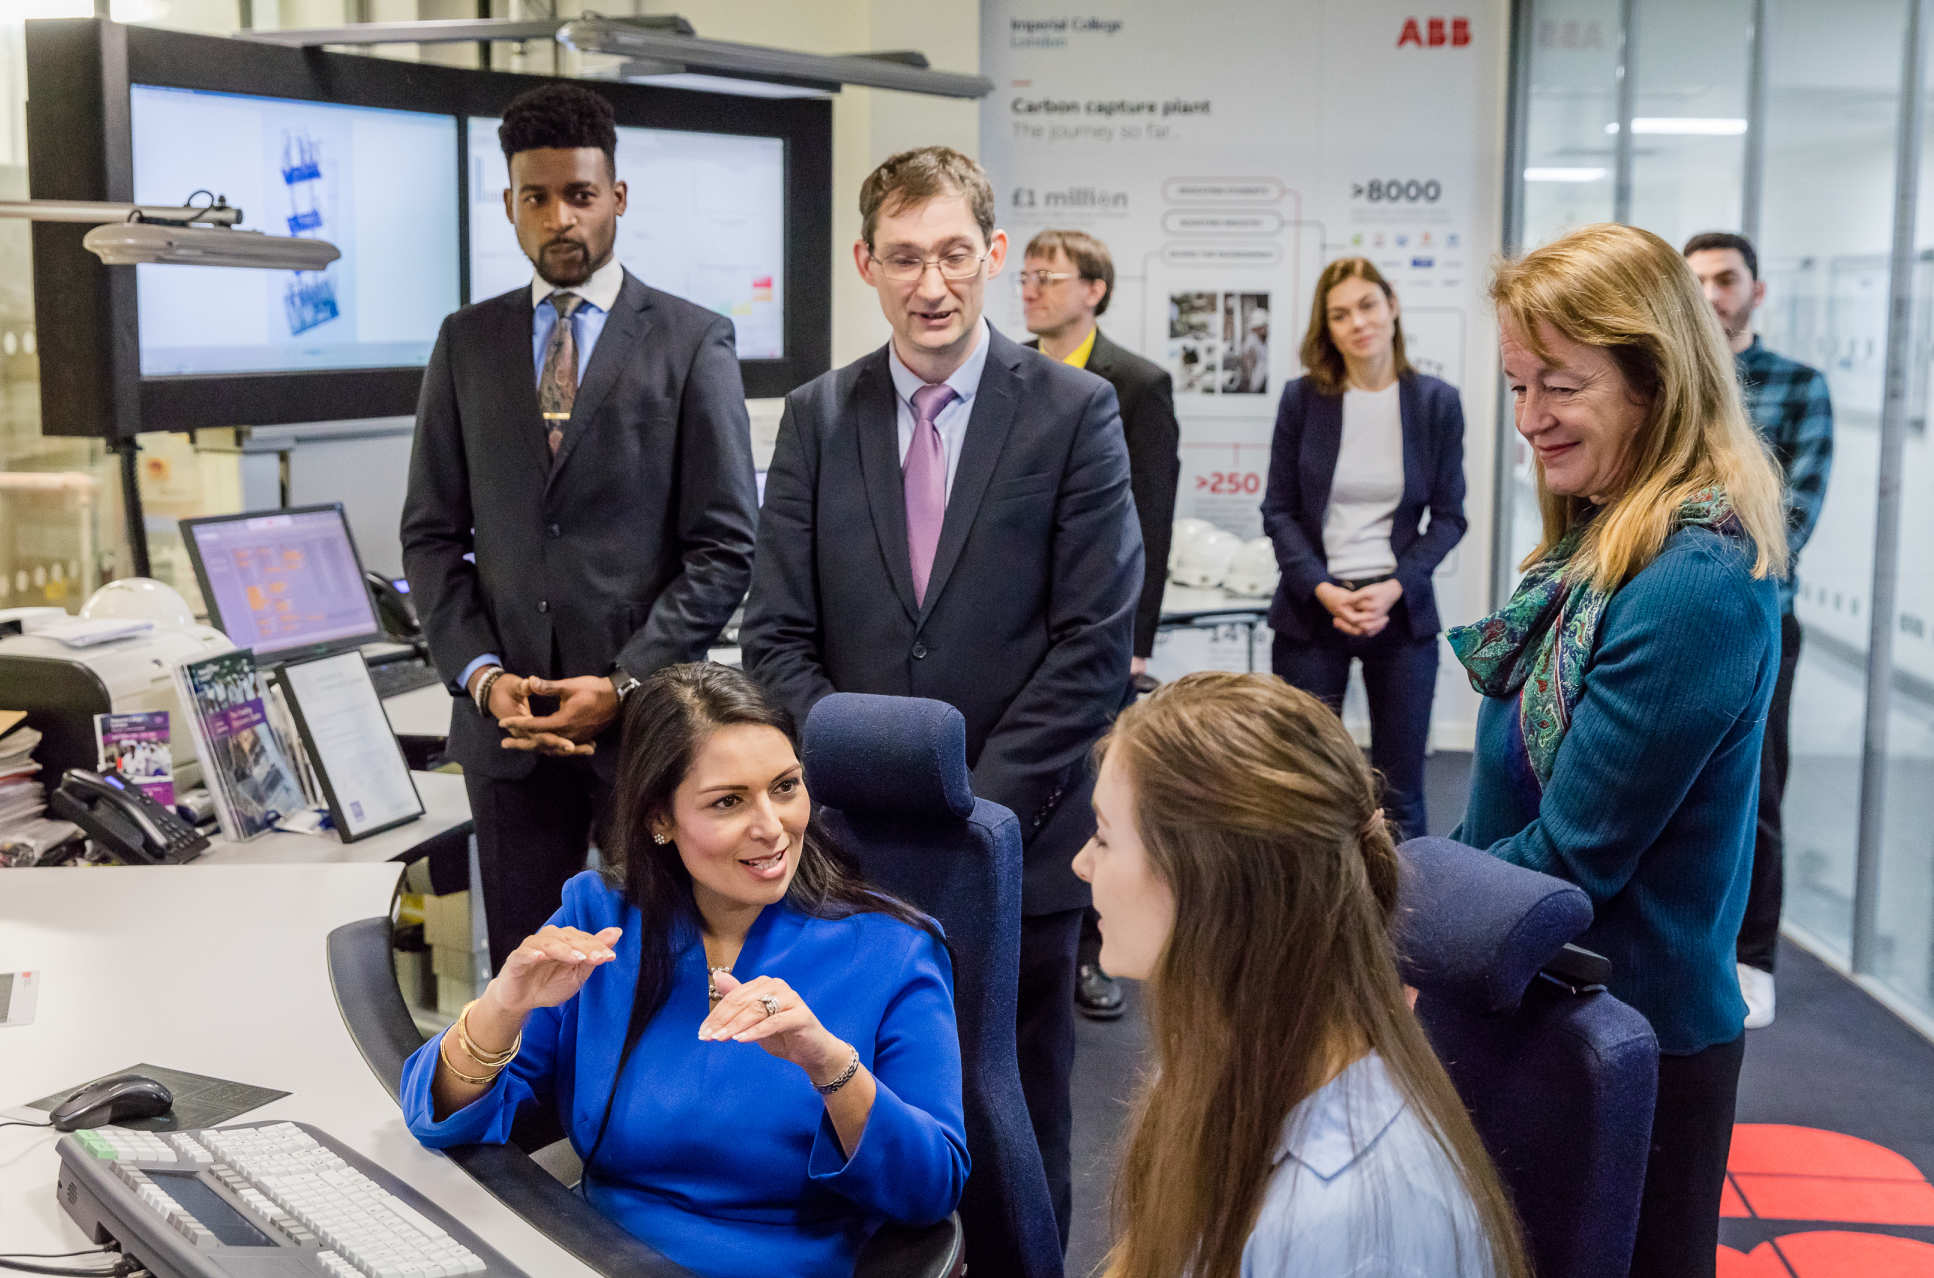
(600, 294)
(1362, 1188)
(952, 421)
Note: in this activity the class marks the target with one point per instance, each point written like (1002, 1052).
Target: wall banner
(1225, 152)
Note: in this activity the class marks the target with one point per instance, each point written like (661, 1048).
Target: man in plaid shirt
(1788, 403)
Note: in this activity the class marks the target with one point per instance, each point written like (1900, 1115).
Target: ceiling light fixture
(1689, 126)
(1559, 174)
(186, 235)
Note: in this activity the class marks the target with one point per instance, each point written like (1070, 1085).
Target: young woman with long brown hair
(1297, 1122)
(1365, 498)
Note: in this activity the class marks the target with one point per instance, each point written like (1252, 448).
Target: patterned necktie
(924, 474)
(557, 390)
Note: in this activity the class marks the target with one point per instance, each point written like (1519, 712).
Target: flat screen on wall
(298, 168)
(705, 218)
(395, 163)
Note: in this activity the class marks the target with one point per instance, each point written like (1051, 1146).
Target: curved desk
(216, 969)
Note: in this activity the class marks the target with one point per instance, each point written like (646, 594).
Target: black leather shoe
(1097, 995)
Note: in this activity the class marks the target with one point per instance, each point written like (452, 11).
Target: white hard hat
(1184, 529)
(1206, 557)
(138, 599)
(1253, 571)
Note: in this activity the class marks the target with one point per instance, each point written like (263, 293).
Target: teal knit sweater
(1653, 794)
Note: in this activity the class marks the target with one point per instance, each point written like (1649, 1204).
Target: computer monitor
(286, 583)
(706, 219)
(300, 168)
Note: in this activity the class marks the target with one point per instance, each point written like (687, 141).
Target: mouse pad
(200, 1101)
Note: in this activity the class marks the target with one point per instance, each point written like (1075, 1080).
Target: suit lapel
(879, 432)
(1322, 440)
(515, 372)
(624, 329)
(980, 452)
(1101, 360)
(1409, 410)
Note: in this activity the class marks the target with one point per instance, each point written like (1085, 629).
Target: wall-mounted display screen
(730, 207)
(705, 219)
(307, 169)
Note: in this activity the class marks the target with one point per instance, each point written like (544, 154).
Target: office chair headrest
(906, 756)
(1476, 929)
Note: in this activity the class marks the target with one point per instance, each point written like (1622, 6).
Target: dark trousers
(532, 834)
(1088, 951)
(1044, 1041)
(1400, 676)
(1692, 1133)
(1759, 930)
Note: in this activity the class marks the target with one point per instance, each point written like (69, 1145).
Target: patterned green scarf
(1543, 639)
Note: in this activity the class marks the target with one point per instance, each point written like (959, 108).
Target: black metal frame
(79, 147)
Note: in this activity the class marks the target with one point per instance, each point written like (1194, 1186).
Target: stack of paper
(25, 833)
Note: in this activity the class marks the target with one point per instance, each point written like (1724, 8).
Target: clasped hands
(586, 706)
(1362, 613)
(550, 967)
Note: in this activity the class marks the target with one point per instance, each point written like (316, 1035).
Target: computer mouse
(113, 1100)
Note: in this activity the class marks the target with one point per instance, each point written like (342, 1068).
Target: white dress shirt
(952, 420)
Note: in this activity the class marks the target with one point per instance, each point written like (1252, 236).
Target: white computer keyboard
(228, 1200)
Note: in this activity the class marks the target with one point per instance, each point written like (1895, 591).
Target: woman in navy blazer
(753, 1053)
(1365, 448)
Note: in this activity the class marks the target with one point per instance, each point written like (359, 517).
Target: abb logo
(1435, 32)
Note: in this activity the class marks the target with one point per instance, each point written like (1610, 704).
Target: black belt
(1360, 582)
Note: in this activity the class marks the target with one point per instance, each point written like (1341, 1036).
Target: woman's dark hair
(567, 116)
(666, 719)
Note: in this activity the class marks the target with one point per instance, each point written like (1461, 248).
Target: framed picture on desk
(357, 760)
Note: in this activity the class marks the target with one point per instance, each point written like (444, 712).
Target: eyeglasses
(1041, 279)
(958, 264)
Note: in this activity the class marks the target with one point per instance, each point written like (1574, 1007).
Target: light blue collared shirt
(600, 294)
(952, 421)
(1362, 1188)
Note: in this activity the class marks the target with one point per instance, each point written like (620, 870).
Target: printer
(62, 688)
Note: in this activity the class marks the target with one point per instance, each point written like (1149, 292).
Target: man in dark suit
(950, 517)
(580, 508)
(1067, 279)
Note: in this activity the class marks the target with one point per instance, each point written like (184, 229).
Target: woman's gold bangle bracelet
(475, 1080)
(489, 1060)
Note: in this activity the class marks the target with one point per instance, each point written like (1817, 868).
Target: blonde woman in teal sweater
(1626, 681)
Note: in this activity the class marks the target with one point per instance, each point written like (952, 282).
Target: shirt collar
(965, 379)
(601, 290)
(1081, 354)
(1335, 1125)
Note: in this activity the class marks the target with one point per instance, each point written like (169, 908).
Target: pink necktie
(924, 474)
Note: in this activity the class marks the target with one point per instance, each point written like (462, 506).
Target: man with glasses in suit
(950, 517)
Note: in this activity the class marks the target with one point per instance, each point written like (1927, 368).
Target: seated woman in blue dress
(756, 1054)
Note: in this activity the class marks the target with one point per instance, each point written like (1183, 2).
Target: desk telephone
(124, 821)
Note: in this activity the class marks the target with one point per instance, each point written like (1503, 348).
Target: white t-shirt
(1367, 487)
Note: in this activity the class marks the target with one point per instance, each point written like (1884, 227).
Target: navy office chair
(1559, 1076)
(888, 776)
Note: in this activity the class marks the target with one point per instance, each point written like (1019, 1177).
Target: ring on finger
(770, 1003)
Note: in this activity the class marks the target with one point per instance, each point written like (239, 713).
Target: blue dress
(720, 1155)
